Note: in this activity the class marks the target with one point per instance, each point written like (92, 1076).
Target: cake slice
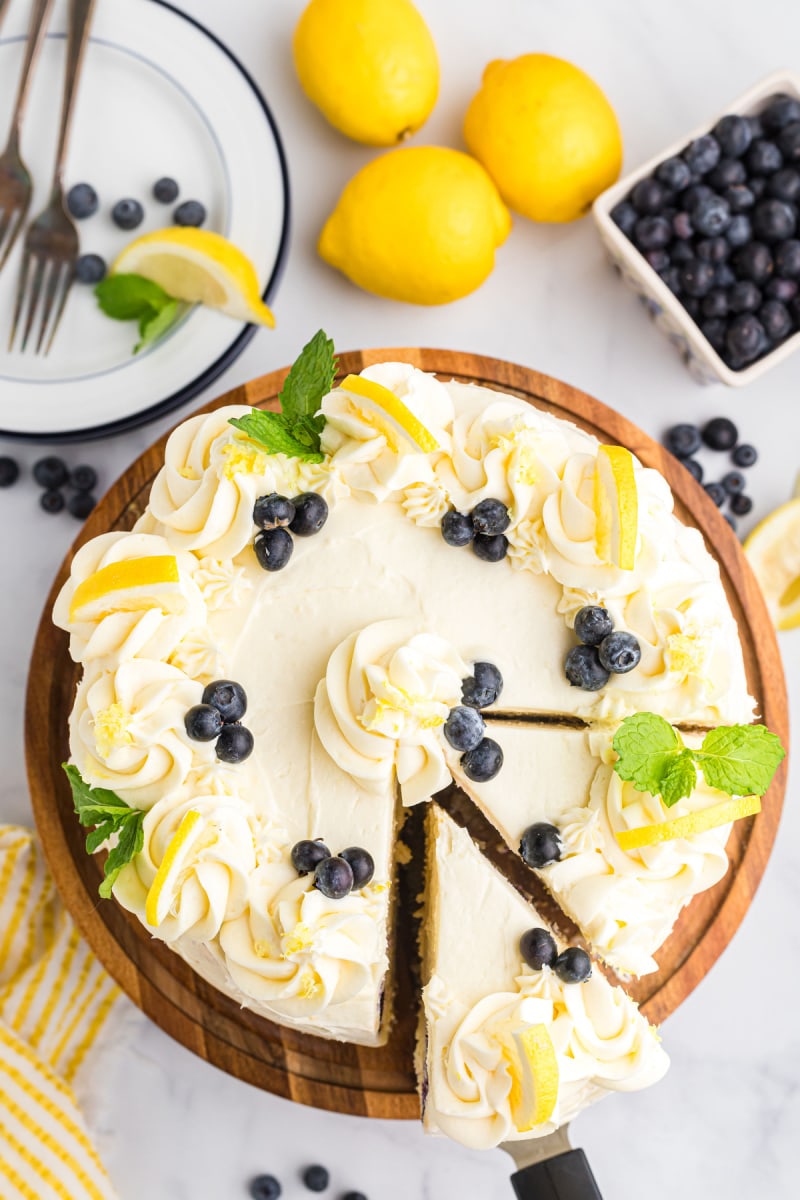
(506, 1051)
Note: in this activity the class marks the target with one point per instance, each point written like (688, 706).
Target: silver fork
(51, 243)
(16, 185)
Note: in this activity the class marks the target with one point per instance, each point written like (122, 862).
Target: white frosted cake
(327, 614)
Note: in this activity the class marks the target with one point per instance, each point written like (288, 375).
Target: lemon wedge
(774, 552)
(159, 897)
(696, 822)
(533, 1067)
(135, 583)
(390, 415)
(198, 267)
(616, 507)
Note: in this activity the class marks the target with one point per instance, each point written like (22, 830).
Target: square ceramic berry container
(702, 360)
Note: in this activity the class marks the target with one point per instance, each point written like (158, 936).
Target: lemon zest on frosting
(111, 728)
(300, 939)
(523, 441)
(310, 985)
(242, 459)
(687, 653)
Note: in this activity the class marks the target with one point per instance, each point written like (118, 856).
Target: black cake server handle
(549, 1169)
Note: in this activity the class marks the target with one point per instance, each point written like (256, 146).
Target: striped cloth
(55, 1004)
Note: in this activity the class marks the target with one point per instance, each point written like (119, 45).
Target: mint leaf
(647, 746)
(740, 759)
(310, 378)
(679, 779)
(104, 810)
(154, 325)
(130, 297)
(278, 435)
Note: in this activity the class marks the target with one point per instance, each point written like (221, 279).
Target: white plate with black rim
(159, 96)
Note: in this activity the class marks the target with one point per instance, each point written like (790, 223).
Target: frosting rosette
(386, 693)
(360, 452)
(127, 730)
(208, 880)
(298, 952)
(129, 595)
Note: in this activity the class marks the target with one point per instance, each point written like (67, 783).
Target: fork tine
(68, 282)
(34, 292)
(5, 223)
(20, 298)
(53, 280)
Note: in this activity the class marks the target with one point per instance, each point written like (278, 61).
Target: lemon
(198, 267)
(774, 552)
(691, 824)
(370, 66)
(419, 224)
(616, 507)
(533, 1068)
(135, 583)
(159, 897)
(390, 415)
(546, 134)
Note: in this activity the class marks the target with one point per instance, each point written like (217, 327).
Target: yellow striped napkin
(55, 1003)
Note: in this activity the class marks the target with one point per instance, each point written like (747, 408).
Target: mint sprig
(108, 814)
(295, 431)
(737, 759)
(134, 298)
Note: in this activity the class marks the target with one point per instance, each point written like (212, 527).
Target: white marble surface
(724, 1123)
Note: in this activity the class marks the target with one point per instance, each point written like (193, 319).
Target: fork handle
(80, 19)
(36, 31)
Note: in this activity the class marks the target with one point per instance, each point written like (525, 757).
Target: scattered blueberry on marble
(265, 1187)
(50, 472)
(573, 965)
(203, 723)
(584, 670)
(720, 434)
(538, 948)
(82, 201)
(9, 471)
(81, 504)
(744, 455)
(716, 492)
(620, 652)
(228, 698)
(354, 1196)
(464, 727)
(127, 213)
(334, 878)
(731, 521)
(683, 440)
(592, 624)
(90, 268)
(234, 744)
(273, 548)
(457, 528)
(310, 514)
(483, 686)
(490, 547)
(273, 511)
(361, 863)
(83, 478)
(484, 762)
(541, 845)
(490, 517)
(52, 501)
(165, 190)
(741, 505)
(191, 213)
(307, 855)
(694, 468)
(733, 481)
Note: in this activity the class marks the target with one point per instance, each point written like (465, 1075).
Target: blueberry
(234, 744)
(82, 201)
(658, 259)
(713, 249)
(731, 521)
(695, 195)
(648, 196)
(681, 252)
(744, 455)
(652, 233)
(81, 504)
(781, 289)
(490, 517)
(785, 185)
(334, 878)
(733, 482)
(739, 197)
(715, 304)
(756, 127)
(620, 652)
(584, 669)
(317, 1178)
(573, 965)
(265, 1187)
(741, 504)
(593, 623)
(694, 468)
(464, 727)
(672, 278)
(127, 214)
(307, 855)
(716, 492)
(228, 698)
(727, 172)
(720, 433)
(541, 845)
(90, 268)
(538, 948)
(165, 190)
(757, 185)
(491, 548)
(703, 154)
(52, 501)
(310, 514)
(191, 212)
(734, 135)
(9, 471)
(739, 231)
(361, 863)
(764, 158)
(773, 220)
(483, 762)
(744, 297)
(780, 112)
(457, 528)
(697, 277)
(723, 276)
(787, 259)
(273, 511)
(789, 142)
(753, 262)
(775, 318)
(203, 723)
(50, 472)
(714, 330)
(354, 1196)
(674, 174)
(682, 226)
(624, 216)
(483, 686)
(745, 337)
(83, 478)
(273, 548)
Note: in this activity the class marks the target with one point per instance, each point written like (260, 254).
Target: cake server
(549, 1169)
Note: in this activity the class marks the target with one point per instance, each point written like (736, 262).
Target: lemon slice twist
(390, 415)
(533, 1067)
(159, 897)
(691, 824)
(616, 507)
(127, 586)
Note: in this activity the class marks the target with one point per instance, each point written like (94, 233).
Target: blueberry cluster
(483, 528)
(465, 728)
(718, 434)
(219, 718)
(128, 214)
(718, 224)
(276, 516)
(539, 950)
(335, 875)
(603, 650)
(52, 475)
(316, 1178)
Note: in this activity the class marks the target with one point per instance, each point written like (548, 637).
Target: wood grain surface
(312, 1070)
